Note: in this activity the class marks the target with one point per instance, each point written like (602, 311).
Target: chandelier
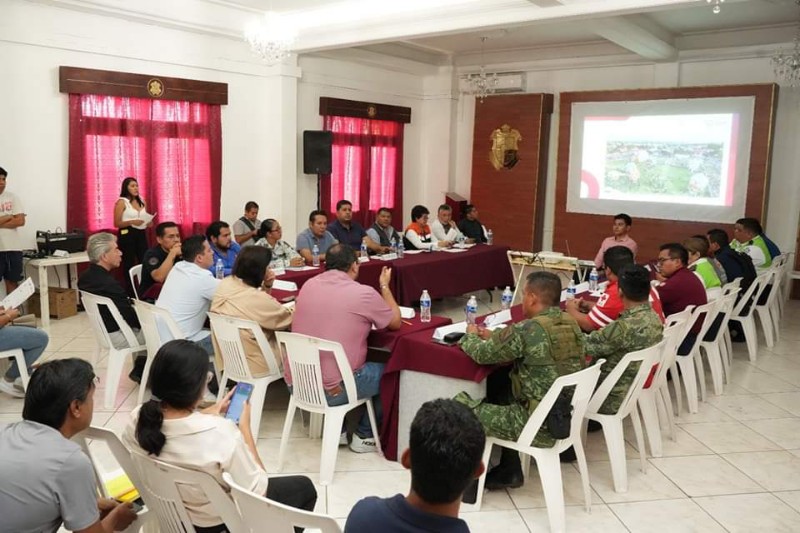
(787, 62)
(481, 84)
(717, 8)
(270, 38)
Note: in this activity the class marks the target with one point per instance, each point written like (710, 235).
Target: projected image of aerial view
(663, 168)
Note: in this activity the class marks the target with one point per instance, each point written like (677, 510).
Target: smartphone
(240, 396)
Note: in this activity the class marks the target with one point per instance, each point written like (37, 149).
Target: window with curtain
(366, 167)
(172, 148)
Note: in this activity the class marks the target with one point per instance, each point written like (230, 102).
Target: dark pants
(295, 491)
(133, 245)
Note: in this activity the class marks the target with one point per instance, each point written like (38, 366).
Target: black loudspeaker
(317, 152)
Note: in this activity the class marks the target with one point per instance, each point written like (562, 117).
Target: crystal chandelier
(270, 38)
(481, 84)
(717, 8)
(787, 62)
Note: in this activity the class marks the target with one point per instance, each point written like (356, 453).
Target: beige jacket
(237, 299)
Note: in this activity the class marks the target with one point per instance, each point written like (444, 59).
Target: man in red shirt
(591, 316)
(679, 288)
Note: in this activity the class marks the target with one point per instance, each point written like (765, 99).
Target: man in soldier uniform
(544, 346)
(638, 327)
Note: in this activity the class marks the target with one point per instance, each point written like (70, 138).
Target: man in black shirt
(470, 226)
(158, 260)
(105, 256)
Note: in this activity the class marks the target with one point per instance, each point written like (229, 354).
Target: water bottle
(425, 307)
(315, 255)
(393, 248)
(489, 236)
(471, 310)
(401, 248)
(505, 300)
(219, 269)
(593, 277)
(364, 252)
(571, 290)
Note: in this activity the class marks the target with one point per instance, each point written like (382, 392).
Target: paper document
(407, 312)
(302, 268)
(452, 250)
(146, 218)
(498, 318)
(385, 257)
(284, 285)
(18, 296)
(412, 252)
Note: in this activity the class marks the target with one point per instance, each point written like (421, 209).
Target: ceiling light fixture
(270, 38)
(716, 9)
(787, 62)
(481, 84)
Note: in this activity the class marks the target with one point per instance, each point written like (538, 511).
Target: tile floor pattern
(734, 467)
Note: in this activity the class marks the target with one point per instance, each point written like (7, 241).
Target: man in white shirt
(443, 228)
(12, 216)
(189, 289)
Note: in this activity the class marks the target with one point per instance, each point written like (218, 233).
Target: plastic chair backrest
(149, 318)
(160, 486)
(735, 284)
(672, 336)
(584, 382)
(92, 303)
(708, 311)
(303, 357)
(646, 359)
(773, 278)
(751, 294)
(135, 273)
(724, 308)
(227, 330)
(256, 511)
(121, 454)
(681, 316)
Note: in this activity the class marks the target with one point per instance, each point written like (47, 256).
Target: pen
(406, 322)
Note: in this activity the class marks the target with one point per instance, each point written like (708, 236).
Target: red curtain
(173, 149)
(367, 167)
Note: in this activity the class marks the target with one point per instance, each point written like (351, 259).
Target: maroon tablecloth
(387, 340)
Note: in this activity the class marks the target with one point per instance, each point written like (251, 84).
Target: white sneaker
(343, 439)
(365, 445)
(9, 388)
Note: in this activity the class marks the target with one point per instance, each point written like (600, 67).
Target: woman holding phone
(170, 427)
(129, 218)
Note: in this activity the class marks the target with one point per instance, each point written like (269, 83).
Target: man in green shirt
(748, 240)
(544, 346)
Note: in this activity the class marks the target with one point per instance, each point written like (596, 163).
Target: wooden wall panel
(585, 232)
(511, 202)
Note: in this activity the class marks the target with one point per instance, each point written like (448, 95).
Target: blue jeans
(368, 381)
(32, 341)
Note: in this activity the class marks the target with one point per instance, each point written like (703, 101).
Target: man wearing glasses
(283, 254)
(679, 288)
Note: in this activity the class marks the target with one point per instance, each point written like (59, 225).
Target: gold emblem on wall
(505, 141)
(155, 88)
(372, 111)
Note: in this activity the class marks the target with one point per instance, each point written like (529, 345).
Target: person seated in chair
(31, 341)
(749, 239)
(679, 288)
(470, 226)
(270, 235)
(105, 256)
(224, 247)
(444, 229)
(159, 260)
(418, 234)
(544, 346)
(170, 428)
(348, 231)
(444, 453)
(382, 230)
(315, 234)
(621, 237)
(46, 480)
(699, 264)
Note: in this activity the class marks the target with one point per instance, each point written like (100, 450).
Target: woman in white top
(170, 427)
(129, 212)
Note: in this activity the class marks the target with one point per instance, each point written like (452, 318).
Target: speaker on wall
(317, 152)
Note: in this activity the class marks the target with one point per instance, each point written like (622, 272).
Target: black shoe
(470, 493)
(504, 478)
(138, 370)
(568, 455)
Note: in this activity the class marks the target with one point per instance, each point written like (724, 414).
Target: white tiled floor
(734, 467)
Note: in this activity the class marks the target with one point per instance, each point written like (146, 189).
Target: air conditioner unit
(507, 82)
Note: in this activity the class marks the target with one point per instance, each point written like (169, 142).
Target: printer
(48, 241)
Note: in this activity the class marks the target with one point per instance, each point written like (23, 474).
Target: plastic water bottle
(505, 300)
(364, 252)
(593, 278)
(393, 248)
(471, 310)
(571, 290)
(219, 269)
(315, 255)
(425, 307)
(489, 236)
(401, 249)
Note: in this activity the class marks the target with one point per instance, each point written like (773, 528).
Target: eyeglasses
(275, 230)
(662, 260)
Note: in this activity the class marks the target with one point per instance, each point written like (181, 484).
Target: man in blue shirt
(316, 233)
(223, 245)
(444, 454)
(347, 231)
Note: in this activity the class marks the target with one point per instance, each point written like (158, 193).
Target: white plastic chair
(691, 364)
(745, 316)
(612, 424)
(767, 312)
(17, 355)
(227, 330)
(116, 357)
(135, 274)
(257, 511)
(159, 486)
(547, 459)
(303, 357)
(145, 518)
(785, 281)
(681, 316)
(715, 348)
(726, 345)
(149, 318)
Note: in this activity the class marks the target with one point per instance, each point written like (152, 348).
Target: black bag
(749, 273)
(559, 419)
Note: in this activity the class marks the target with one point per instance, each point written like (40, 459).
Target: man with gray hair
(105, 256)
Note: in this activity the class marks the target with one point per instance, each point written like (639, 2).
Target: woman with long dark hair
(170, 427)
(129, 212)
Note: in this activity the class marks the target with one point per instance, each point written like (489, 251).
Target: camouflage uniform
(635, 329)
(542, 348)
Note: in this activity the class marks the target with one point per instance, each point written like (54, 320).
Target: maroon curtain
(367, 167)
(173, 149)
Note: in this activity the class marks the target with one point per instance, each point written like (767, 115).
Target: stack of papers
(282, 285)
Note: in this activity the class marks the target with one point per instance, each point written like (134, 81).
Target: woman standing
(129, 215)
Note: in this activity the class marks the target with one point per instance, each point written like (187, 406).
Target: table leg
(44, 298)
